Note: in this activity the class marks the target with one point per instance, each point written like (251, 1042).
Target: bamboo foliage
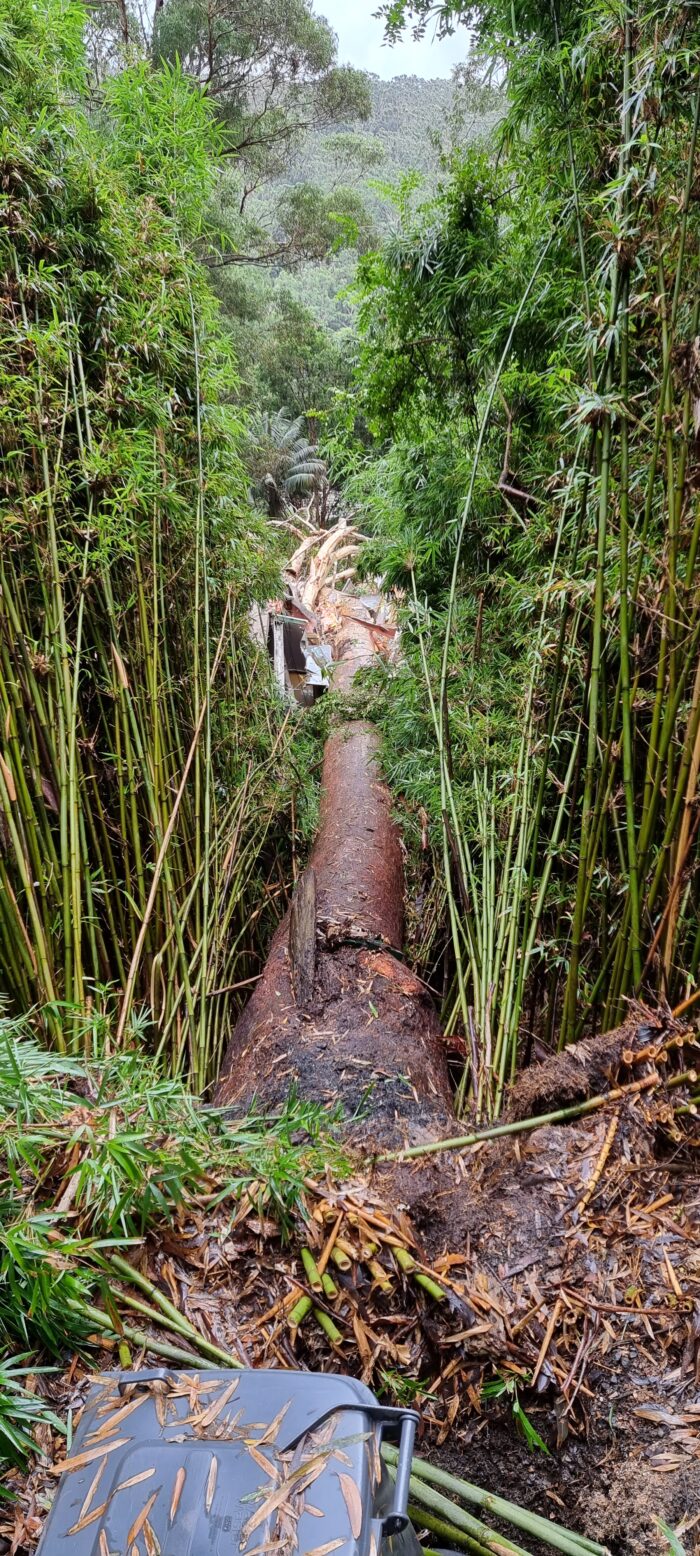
(569, 836)
(138, 774)
(636, 772)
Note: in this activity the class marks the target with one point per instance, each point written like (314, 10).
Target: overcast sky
(361, 43)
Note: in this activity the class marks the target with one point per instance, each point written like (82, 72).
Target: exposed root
(594, 1065)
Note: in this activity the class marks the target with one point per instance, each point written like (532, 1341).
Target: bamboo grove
(532, 335)
(140, 755)
(522, 441)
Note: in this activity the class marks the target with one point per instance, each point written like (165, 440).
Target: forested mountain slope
(412, 124)
(410, 120)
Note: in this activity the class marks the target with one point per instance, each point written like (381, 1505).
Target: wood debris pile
(327, 616)
(573, 1251)
(545, 1289)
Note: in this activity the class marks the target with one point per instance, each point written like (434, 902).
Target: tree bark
(364, 1029)
(123, 20)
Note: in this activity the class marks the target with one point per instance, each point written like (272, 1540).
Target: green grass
(505, 1388)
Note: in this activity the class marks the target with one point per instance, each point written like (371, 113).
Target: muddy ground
(573, 1252)
(616, 1283)
(569, 1259)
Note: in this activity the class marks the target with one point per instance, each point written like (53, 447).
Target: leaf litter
(564, 1262)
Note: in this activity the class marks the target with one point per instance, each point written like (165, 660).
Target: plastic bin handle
(397, 1517)
(394, 1422)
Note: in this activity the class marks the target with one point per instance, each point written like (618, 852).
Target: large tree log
(350, 1019)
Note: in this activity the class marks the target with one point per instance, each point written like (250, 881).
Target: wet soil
(617, 1398)
(591, 1066)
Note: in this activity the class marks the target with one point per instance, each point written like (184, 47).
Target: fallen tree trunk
(337, 1013)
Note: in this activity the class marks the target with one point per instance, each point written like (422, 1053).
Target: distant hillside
(408, 114)
(411, 121)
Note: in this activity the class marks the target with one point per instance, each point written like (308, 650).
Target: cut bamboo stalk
(535, 1524)
(299, 1311)
(521, 1125)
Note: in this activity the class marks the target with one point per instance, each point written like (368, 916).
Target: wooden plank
(302, 938)
(278, 656)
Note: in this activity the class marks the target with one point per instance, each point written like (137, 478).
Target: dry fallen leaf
(113, 1421)
(215, 1410)
(270, 1435)
(81, 1459)
(211, 1484)
(177, 1492)
(140, 1519)
(134, 1480)
(301, 1479)
(150, 1540)
(353, 1503)
(89, 1518)
(263, 1463)
(92, 1488)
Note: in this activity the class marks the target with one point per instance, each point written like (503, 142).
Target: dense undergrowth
(95, 1155)
(145, 786)
(528, 372)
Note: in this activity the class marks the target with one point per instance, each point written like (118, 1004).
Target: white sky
(361, 43)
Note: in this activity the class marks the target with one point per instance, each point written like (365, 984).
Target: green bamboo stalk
(407, 1263)
(451, 1536)
(139, 1337)
(60, 654)
(452, 595)
(518, 1126)
(447, 862)
(575, 193)
(200, 1068)
(625, 679)
(588, 815)
(300, 1311)
(311, 1270)
(325, 1322)
(461, 1519)
(554, 1534)
(179, 1320)
(41, 951)
(184, 1329)
(160, 862)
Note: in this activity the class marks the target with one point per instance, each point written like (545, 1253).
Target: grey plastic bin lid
(222, 1464)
